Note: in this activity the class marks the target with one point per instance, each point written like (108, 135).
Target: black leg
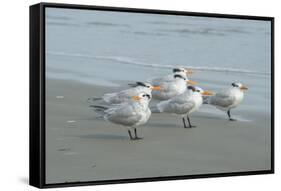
(136, 135)
(229, 116)
(190, 126)
(130, 135)
(228, 113)
(183, 120)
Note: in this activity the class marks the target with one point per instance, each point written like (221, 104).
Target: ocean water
(106, 48)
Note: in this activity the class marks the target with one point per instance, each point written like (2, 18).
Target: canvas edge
(272, 95)
(35, 97)
(156, 11)
(37, 136)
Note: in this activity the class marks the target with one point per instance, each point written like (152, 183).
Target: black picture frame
(37, 94)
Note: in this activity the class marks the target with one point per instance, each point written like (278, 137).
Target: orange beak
(244, 88)
(207, 93)
(136, 98)
(191, 82)
(189, 71)
(156, 88)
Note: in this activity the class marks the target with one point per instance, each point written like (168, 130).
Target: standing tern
(183, 104)
(169, 89)
(125, 95)
(228, 99)
(130, 114)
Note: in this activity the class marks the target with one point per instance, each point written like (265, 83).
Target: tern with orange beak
(169, 89)
(125, 95)
(228, 99)
(183, 105)
(130, 114)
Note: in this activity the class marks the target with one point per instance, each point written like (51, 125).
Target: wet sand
(80, 147)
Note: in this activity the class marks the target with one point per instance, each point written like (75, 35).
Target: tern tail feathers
(99, 107)
(92, 99)
(154, 109)
(100, 110)
(133, 85)
(110, 97)
(206, 99)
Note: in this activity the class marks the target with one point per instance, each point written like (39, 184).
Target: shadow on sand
(104, 137)
(164, 125)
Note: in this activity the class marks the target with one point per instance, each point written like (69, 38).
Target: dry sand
(80, 147)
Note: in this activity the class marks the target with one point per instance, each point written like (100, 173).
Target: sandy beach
(89, 53)
(80, 147)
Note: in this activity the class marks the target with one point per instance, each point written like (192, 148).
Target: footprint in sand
(60, 97)
(71, 123)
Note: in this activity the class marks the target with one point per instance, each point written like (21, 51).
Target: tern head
(183, 70)
(179, 76)
(145, 85)
(189, 82)
(142, 97)
(239, 86)
(198, 90)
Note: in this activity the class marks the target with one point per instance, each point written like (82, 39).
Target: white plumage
(125, 95)
(171, 88)
(228, 99)
(183, 104)
(130, 114)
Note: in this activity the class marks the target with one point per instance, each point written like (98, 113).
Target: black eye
(191, 88)
(179, 76)
(176, 70)
(141, 84)
(146, 95)
(234, 85)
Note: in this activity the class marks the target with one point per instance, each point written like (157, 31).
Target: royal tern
(130, 114)
(124, 95)
(228, 99)
(169, 89)
(183, 104)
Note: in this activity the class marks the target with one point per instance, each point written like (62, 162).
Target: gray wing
(123, 115)
(119, 97)
(180, 105)
(168, 91)
(222, 99)
(159, 80)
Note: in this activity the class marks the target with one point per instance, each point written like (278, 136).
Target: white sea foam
(131, 61)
